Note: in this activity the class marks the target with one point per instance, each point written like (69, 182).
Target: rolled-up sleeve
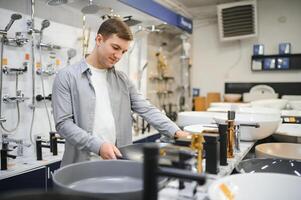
(64, 115)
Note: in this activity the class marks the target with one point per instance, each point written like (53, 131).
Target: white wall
(216, 62)
(60, 34)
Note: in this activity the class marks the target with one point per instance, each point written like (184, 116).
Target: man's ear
(98, 39)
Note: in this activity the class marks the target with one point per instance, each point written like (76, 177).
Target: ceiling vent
(237, 20)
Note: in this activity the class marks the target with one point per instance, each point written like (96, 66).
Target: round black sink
(270, 165)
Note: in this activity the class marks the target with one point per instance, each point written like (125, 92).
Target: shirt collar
(84, 67)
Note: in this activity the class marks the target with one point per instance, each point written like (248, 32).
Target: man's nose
(118, 55)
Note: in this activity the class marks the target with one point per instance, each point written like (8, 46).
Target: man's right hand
(109, 151)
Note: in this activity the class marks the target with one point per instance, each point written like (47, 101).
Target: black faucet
(42, 144)
(5, 155)
(54, 140)
(151, 171)
(145, 127)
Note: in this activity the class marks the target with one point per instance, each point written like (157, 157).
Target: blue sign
(185, 23)
(157, 10)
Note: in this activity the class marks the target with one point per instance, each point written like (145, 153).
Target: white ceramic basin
(279, 150)
(260, 110)
(270, 103)
(259, 186)
(197, 128)
(291, 97)
(229, 104)
(198, 117)
(288, 133)
(295, 105)
(295, 113)
(268, 122)
(289, 130)
(232, 97)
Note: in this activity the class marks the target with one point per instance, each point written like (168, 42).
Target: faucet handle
(231, 115)
(255, 125)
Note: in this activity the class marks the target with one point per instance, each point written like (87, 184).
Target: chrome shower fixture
(45, 24)
(18, 41)
(91, 8)
(71, 53)
(13, 18)
(48, 47)
(18, 98)
(56, 2)
(14, 71)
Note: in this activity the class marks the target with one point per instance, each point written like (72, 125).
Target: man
(92, 102)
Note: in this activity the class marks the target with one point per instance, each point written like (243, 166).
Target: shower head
(56, 2)
(12, 20)
(16, 16)
(71, 53)
(130, 21)
(91, 8)
(45, 24)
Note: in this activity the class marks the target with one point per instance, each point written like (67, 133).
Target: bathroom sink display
(270, 165)
(259, 186)
(279, 150)
(268, 122)
(270, 103)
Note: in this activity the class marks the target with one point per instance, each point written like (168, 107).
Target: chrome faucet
(18, 98)
(17, 71)
(49, 70)
(18, 41)
(20, 143)
(237, 134)
(236, 138)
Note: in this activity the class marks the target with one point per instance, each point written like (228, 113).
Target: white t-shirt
(104, 124)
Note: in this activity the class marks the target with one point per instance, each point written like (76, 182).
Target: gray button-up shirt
(73, 102)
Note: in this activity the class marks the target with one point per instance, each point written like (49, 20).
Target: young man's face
(110, 50)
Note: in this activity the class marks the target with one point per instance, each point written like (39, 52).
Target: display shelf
(164, 78)
(276, 62)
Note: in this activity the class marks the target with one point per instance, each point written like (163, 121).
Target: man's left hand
(181, 133)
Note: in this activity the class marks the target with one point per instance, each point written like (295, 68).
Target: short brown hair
(115, 26)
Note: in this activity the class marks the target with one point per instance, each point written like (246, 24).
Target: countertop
(171, 190)
(29, 163)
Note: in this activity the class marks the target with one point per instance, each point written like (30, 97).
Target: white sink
(229, 104)
(270, 103)
(225, 106)
(259, 186)
(288, 133)
(291, 97)
(268, 122)
(197, 128)
(289, 130)
(258, 92)
(198, 117)
(295, 113)
(295, 105)
(232, 97)
(279, 150)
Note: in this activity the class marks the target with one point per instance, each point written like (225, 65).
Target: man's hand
(109, 151)
(181, 133)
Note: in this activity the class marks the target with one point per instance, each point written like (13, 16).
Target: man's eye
(116, 48)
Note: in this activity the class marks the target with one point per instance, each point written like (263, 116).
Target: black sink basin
(270, 165)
